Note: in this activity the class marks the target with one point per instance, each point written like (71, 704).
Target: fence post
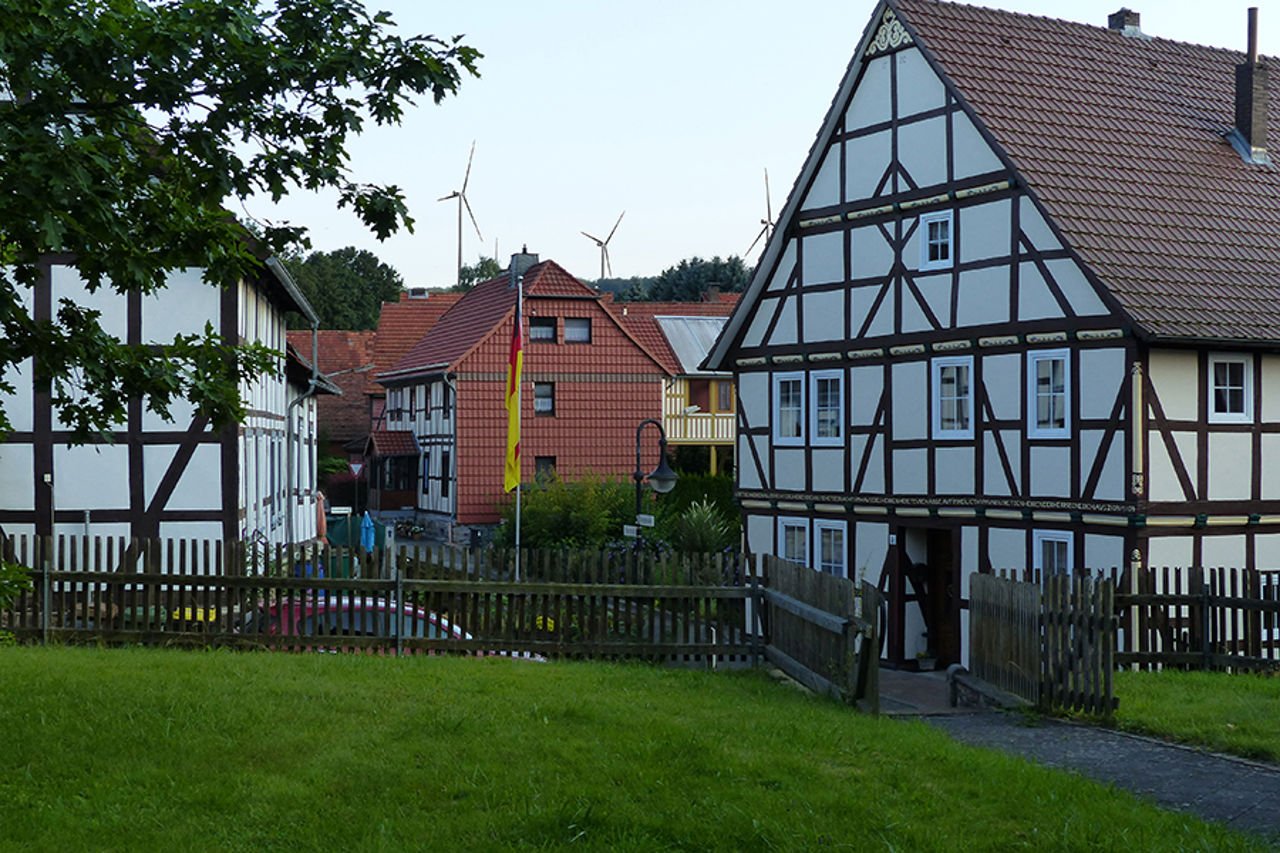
(399, 608)
(46, 588)
(757, 601)
(1204, 626)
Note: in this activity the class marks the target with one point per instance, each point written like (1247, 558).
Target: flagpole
(519, 407)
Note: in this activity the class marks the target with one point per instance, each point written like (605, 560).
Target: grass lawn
(145, 749)
(1239, 714)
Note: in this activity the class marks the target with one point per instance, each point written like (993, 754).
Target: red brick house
(587, 384)
(346, 358)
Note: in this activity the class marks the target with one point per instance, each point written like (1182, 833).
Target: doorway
(929, 606)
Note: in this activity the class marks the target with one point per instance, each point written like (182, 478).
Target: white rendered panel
(753, 398)
(866, 158)
(1050, 472)
(866, 388)
(984, 231)
(823, 258)
(91, 476)
(1102, 372)
(922, 151)
(1230, 466)
(1169, 551)
(882, 321)
(1270, 388)
(20, 404)
(760, 534)
(825, 191)
(824, 316)
(919, 89)
(913, 317)
(191, 530)
(785, 331)
(871, 102)
(1035, 300)
(1080, 294)
(984, 297)
(181, 308)
(786, 266)
(973, 156)
(1174, 375)
(870, 548)
(873, 480)
(910, 400)
(870, 254)
(65, 283)
(953, 470)
(828, 470)
(1165, 485)
(789, 475)
(970, 536)
(1007, 548)
(1002, 380)
(181, 411)
(936, 290)
(911, 471)
(995, 482)
(1111, 483)
(1034, 226)
(1270, 467)
(1223, 551)
(1103, 552)
(17, 480)
(760, 320)
(1266, 551)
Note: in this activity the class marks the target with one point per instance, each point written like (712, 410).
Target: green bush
(13, 580)
(701, 529)
(586, 513)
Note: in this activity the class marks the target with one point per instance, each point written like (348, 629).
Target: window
(1048, 403)
(1052, 551)
(446, 473)
(827, 394)
(788, 408)
(445, 399)
(935, 241)
(577, 330)
(395, 403)
(793, 540)
(724, 396)
(830, 545)
(1230, 389)
(426, 473)
(544, 467)
(953, 397)
(544, 398)
(413, 399)
(542, 329)
(700, 393)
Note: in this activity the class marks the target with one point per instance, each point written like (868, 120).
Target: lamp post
(661, 479)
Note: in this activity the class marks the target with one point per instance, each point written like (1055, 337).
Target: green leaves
(137, 123)
(346, 287)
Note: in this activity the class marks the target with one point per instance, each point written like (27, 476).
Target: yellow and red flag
(514, 364)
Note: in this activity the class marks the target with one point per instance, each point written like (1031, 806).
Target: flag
(516, 361)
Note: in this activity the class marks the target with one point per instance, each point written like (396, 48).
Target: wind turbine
(604, 246)
(461, 196)
(767, 222)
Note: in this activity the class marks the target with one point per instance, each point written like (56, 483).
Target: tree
(131, 127)
(482, 270)
(346, 287)
(689, 280)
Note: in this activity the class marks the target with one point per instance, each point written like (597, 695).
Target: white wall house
(155, 478)
(1017, 312)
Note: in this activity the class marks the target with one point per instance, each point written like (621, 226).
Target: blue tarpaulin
(368, 536)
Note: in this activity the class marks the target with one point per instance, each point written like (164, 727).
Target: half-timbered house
(587, 385)
(155, 478)
(1020, 310)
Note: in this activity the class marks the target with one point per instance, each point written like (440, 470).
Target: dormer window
(542, 329)
(935, 241)
(577, 330)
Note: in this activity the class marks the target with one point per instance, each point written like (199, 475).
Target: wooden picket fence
(1050, 642)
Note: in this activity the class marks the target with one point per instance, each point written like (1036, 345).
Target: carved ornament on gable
(890, 35)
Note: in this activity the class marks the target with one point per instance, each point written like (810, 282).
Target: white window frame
(1039, 537)
(580, 324)
(821, 525)
(778, 438)
(1245, 417)
(923, 230)
(827, 440)
(1034, 430)
(786, 521)
(935, 393)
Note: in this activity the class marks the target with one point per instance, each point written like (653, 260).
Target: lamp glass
(662, 479)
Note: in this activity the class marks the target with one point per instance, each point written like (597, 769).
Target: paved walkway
(1242, 794)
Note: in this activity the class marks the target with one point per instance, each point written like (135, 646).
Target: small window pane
(828, 407)
(831, 550)
(544, 398)
(795, 546)
(542, 329)
(577, 330)
(1229, 388)
(724, 396)
(790, 412)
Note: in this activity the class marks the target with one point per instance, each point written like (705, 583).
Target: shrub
(13, 580)
(586, 513)
(701, 529)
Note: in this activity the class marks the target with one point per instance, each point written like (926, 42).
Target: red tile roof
(640, 319)
(403, 324)
(393, 443)
(346, 358)
(1122, 139)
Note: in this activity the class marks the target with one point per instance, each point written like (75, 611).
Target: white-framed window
(953, 397)
(542, 329)
(1230, 389)
(577, 330)
(544, 398)
(826, 391)
(1048, 397)
(935, 240)
(793, 539)
(1052, 551)
(830, 550)
(788, 408)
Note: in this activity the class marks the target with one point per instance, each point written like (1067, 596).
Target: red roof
(393, 443)
(346, 358)
(1123, 140)
(640, 319)
(402, 324)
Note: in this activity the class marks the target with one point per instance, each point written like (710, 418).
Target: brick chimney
(1126, 22)
(520, 263)
(1252, 85)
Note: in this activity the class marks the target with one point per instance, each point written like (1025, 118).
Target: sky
(669, 110)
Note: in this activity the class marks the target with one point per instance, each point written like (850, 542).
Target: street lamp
(661, 479)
